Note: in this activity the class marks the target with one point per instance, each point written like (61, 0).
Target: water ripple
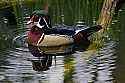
(16, 64)
(98, 68)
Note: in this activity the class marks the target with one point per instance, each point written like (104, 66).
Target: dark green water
(105, 65)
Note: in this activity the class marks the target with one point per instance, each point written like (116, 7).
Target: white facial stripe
(45, 22)
(40, 25)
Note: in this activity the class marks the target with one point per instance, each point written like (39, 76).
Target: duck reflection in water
(43, 62)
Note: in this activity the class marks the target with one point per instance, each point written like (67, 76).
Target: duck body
(51, 37)
(58, 41)
(43, 39)
(53, 41)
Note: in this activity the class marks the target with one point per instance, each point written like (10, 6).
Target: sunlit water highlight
(96, 68)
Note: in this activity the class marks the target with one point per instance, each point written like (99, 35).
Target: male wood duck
(42, 34)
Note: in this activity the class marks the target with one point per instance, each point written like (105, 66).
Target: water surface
(84, 66)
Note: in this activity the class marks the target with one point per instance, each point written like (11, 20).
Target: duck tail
(89, 31)
(84, 34)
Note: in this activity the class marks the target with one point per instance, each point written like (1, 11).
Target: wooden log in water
(107, 13)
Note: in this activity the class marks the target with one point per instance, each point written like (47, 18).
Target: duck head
(37, 24)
